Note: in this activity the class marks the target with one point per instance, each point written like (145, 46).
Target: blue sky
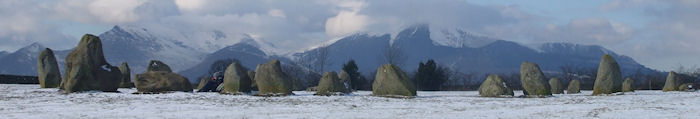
(660, 34)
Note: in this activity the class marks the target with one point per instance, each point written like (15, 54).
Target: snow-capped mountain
(457, 49)
(137, 46)
(246, 52)
(23, 61)
(481, 54)
(459, 38)
(365, 49)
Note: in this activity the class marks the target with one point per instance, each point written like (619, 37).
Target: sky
(661, 34)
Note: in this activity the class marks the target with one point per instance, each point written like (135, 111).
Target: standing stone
(271, 80)
(160, 79)
(533, 80)
(253, 85)
(628, 85)
(161, 82)
(87, 69)
(126, 76)
(391, 81)
(609, 79)
(556, 86)
(213, 84)
(672, 82)
(236, 80)
(345, 78)
(330, 84)
(155, 65)
(49, 75)
(574, 87)
(494, 86)
(203, 81)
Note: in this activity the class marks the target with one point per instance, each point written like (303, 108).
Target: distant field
(29, 101)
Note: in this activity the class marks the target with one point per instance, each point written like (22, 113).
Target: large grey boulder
(160, 79)
(556, 86)
(628, 85)
(161, 82)
(533, 81)
(271, 80)
(126, 76)
(330, 84)
(86, 68)
(574, 87)
(609, 78)
(391, 81)
(494, 86)
(47, 68)
(236, 80)
(155, 65)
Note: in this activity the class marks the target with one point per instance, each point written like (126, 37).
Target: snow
(30, 101)
(104, 67)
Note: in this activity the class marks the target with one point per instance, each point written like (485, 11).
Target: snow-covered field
(29, 101)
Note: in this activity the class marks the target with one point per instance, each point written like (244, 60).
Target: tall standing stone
(556, 86)
(672, 82)
(126, 76)
(87, 69)
(49, 75)
(236, 80)
(533, 80)
(494, 86)
(628, 85)
(609, 78)
(574, 87)
(330, 84)
(391, 81)
(271, 80)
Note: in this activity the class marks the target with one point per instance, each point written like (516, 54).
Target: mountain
(3, 53)
(133, 45)
(23, 61)
(137, 46)
(364, 49)
(475, 54)
(246, 52)
(456, 49)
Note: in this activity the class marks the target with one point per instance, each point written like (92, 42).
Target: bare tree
(322, 58)
(394, 55)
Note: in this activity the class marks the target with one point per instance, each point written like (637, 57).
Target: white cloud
(189, 5)
(276, 13)
(115, 11)
(345, 23)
